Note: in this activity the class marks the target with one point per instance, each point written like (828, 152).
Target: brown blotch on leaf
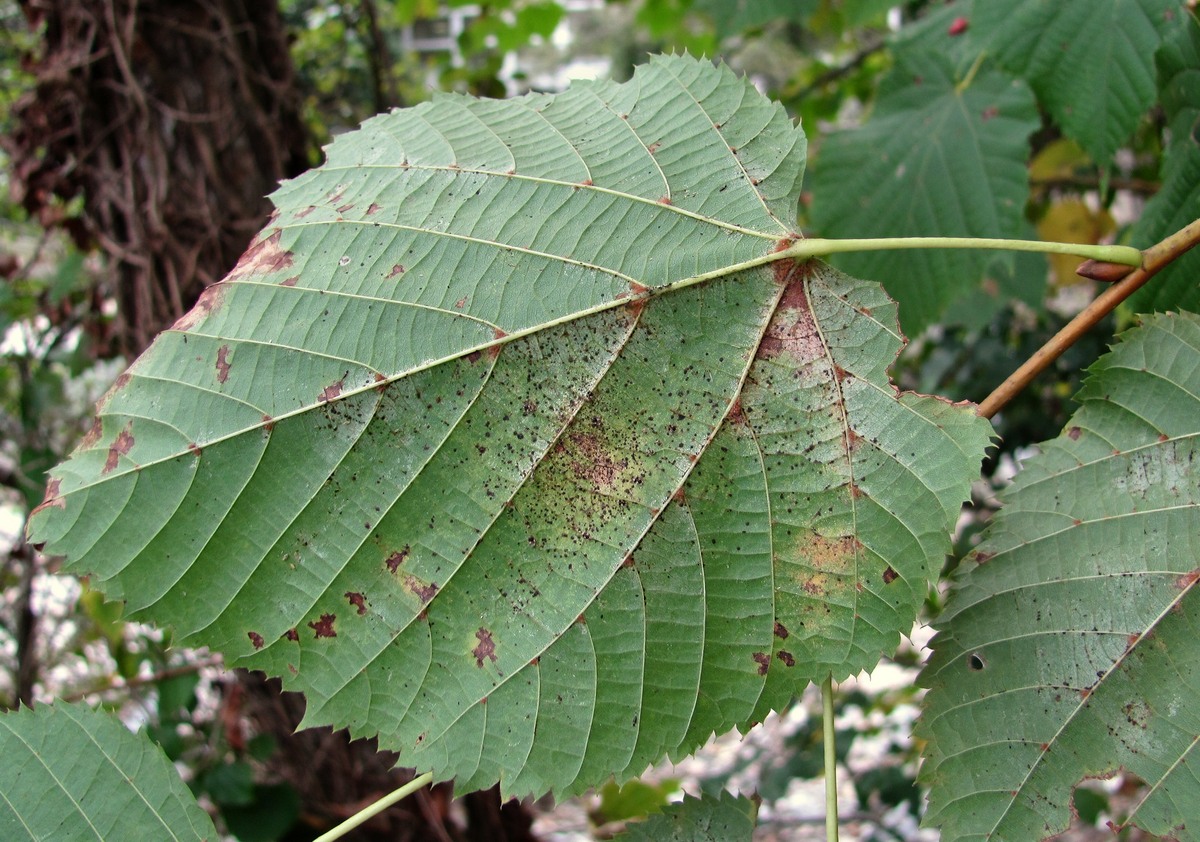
(194, 448)
(292, 635)
(208, 301)
(394, 560)
(398, 269)
(587, 182)
(1132, 640)
(324, 626)
(338, 193)
(679, 496)
(289, 282)
(423, 591)
(1074, 433)
(331, 391)
(1101, 270)
(345, 207)
(222, 363)
(120, 447)
(256, 639)
(592, 463)
(1187, 579)
(305, 212)
(788, 659)
(781, 631)
(262, 258)
(983, 557)
(764, 662)
(653, 147)
(792, 331)
(92, 435)
(268, 423)
(486, 649)
(1162, 437)
(628, 561)
(358, 601)
(373, 208)
(890, 575)
(665, 200)
(51, 500)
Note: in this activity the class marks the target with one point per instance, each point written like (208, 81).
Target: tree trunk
(171, 119)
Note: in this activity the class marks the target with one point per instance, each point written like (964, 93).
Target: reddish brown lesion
(208, 302)
(120, 447)
(422, 590)
(51, 500)
(323, 627)
(593, 463)
(262, 258)
(331, 391)
(485, 650)
(358, 601)
(763, 660)
(223, 365)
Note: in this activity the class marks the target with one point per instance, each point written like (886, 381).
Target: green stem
(831, 805)
(375, 809)
(801, 249)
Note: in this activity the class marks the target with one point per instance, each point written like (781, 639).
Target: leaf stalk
(830, 741)
(375, 809)
(818, 247)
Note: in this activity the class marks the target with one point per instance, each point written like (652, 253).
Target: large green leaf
(70, 772)
(1071, 647)
(502, 442)
(1178, 202)
(1091, 62)
(939, 156)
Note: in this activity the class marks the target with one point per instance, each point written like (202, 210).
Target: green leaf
(1071, 647)
(1178, 202)
(726, 818)
(505, 443)
(1091, 62)
(938, 157)
(731, 17)
(70, 772)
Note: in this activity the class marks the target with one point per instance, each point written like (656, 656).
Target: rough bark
(170, 120)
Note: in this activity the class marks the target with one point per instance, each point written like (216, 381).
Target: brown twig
(1153, 259)
(142, 680)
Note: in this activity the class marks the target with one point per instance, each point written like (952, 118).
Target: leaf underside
(501, 443)
(724, 818)
(73, 773)
(1071, 647)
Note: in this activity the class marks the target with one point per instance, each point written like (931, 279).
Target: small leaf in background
(270, 813)
(634, 799)
(1070, 648)
(70, 772)
(1178, 202)
(937, 157)
(735, 16)
(724, 818)
(230, 784)
(1091, 62)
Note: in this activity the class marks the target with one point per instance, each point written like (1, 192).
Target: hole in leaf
(975, 663)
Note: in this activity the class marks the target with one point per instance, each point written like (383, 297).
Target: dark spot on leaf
(1076, 522)
(268, 423)
(263, 257)
(358, 601)
(373, 208)
(222, 363)
(529, 407)
(292, 635)
(781, 631)
(51, 500)
(486, 649)
(1074, 433)
(424, 591)
(331, 391)
(289, 282)
(983, 557)
(338, 192)
(394, 560)
(306, 211)
(653, 147)
(209, 301)
(581, 620)
(1132, 640)
(345, 207)
(788, 659)
(975, 663)
(474, 357)
(1044, 747)
(587, 182)
(398, 269)
(628, 562)
(890, 575)
(324, 626)
(1187, 579)
(194, 448)
(120, 447)
(665, 200)
(256, 639)
(763, 660)
(1162, 437)
(93, 434)
(989, 112)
